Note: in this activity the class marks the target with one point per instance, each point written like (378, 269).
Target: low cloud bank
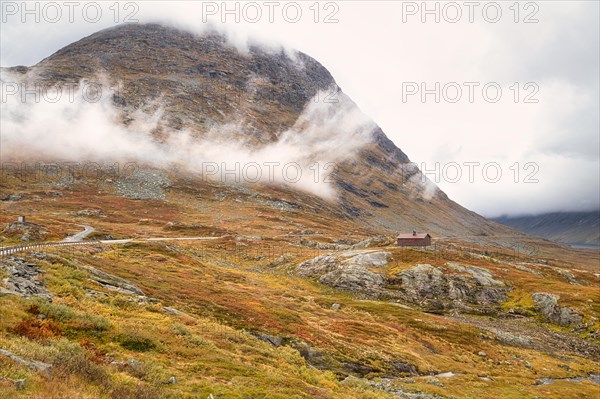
(75, 130)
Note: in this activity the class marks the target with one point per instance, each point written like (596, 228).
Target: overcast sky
(541, 131)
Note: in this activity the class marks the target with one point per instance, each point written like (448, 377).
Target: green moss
(179, 329)
(137, 344)
(521, 301)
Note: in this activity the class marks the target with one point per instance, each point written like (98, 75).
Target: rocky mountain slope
(202, 82)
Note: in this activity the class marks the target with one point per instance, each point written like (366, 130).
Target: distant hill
(581, 228)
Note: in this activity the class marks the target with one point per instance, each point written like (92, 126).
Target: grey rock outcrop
(276, 341)
(509, 338)
(348, 270)
(404, 367)
(368, 258)
(35, 365)
(462, 287)
(14, 197)
(432, 288)
(91, 212)
(23, 279)
(387, 385)
(176, 312)
(112, 282)
(354, 278)
(548, 306)
(26, 231)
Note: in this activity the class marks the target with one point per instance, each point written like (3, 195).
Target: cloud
(76, 130)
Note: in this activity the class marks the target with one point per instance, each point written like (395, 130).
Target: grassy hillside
(233, 318)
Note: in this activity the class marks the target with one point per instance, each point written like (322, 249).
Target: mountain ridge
(582, 228)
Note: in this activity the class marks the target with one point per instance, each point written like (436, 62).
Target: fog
(74, 129)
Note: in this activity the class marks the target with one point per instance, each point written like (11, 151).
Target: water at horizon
(585, 246)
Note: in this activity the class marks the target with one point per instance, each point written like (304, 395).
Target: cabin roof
(411, 235)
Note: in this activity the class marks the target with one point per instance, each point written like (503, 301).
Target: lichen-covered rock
(548, 306)
(462, 287)
(368, 258)
(112, 282)
(23, 279)
(348, 270)
(354, 277)
(431, 287)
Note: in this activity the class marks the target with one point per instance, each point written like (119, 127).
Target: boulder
(23, 279)
(437, 290)
(548, 306)
(270, 339)
(354, 278)
(404, 367)
(20, 384)
(40, 367)
(348, 270)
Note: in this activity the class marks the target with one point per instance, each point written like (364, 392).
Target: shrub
(91, 322)
(96, 355)
(178, 329)
(73, 360)
(53, 311)
(66, 315)
(38, 329)
(136, 342)
(124, 303)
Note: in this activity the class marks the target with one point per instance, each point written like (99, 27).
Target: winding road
(76, 240)
(81, 235)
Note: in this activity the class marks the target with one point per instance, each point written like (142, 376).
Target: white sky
(375, 56)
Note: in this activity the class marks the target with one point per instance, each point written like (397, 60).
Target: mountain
(200, 82)
(579, 228)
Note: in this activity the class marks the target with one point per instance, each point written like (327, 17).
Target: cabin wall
(414, 242)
